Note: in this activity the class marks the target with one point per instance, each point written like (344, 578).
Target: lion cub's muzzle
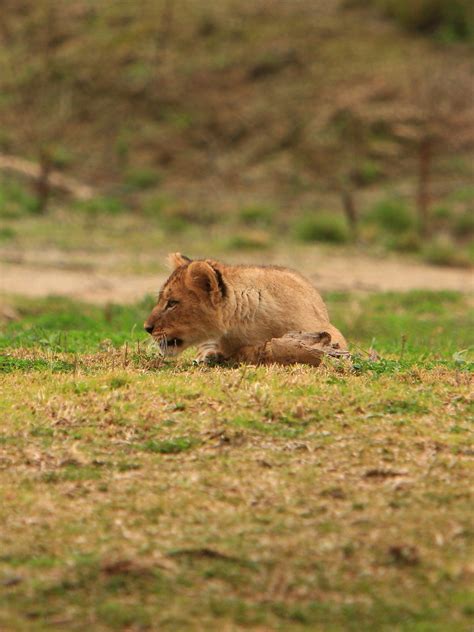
(168, 344)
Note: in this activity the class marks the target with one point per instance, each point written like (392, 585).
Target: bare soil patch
(94, 283)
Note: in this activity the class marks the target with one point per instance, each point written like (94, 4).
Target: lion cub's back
(287, 292)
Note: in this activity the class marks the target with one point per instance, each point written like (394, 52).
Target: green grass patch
(408, 327)
(162, 494)
(9, 364)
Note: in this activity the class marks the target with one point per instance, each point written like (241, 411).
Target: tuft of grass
(324, 227)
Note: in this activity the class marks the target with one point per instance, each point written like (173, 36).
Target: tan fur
(238, 308)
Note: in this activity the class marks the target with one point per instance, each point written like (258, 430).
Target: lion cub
(258, 314)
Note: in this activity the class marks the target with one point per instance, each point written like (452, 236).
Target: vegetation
(128, 111)
(161, 495)
(450, 20)
(322, 227)
(142, 493)
(444, 252)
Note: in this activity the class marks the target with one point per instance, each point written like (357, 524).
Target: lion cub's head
(189, 305)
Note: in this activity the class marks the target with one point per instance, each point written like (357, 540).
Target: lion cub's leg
(292, 348)
(209, 353)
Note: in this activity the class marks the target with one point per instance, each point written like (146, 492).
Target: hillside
(200, 112)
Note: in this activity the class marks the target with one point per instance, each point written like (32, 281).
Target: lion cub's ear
(176, 259)
(201, 277)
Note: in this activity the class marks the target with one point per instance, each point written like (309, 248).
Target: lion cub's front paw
(209, 354)
(210, 359)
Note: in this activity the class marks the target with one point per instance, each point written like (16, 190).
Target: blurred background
(333, 135)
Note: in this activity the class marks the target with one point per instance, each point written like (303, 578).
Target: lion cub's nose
(149, 329)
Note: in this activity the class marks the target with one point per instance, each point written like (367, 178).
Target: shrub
(405, 242)
(442, 213)
(464, 224)
(7, 233)
(155, 206)
(451, 19)
(175, 224)
(103, 204)
(247, 242)
(442, 218)
(142, 178)
(15, 201)
(392, 215)
(257, 215)
(367, 173)
(327, 227)
(62, 157)
(443, 252)
(463, 194)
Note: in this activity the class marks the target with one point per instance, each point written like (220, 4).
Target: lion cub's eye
(171, 303)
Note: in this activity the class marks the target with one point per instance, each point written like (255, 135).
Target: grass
(145, 494)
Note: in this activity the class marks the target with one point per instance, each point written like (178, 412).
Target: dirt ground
(97, 283)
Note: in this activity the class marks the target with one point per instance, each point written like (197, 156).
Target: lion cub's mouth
(169, 344)
(174, 342)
